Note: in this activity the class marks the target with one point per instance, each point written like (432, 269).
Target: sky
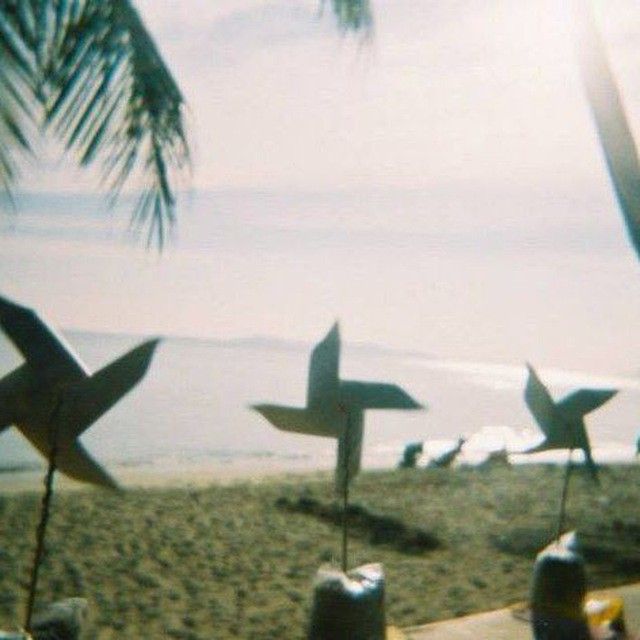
(438, 187)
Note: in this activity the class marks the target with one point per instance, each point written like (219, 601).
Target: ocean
(192, 409)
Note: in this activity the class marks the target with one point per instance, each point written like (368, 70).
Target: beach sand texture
(229, 561)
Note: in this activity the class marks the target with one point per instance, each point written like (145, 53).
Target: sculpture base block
(348, 606)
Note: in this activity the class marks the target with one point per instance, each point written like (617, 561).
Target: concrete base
(513, 623)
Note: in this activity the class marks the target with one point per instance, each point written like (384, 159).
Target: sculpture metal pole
(345, 496)
(565, 492)
(45, 510)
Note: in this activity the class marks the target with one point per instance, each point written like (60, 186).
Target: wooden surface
(504, 625)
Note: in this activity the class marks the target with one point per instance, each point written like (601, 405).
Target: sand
(228, 560)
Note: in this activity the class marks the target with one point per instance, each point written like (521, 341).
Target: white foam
(513, 377)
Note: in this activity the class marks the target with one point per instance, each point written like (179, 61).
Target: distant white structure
(335, 408)
(54, 397)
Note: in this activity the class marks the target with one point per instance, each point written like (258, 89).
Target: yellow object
(602, 610)
(393, 633)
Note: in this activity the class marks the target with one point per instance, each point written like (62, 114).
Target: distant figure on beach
(410, 456)
(445, 460)
(563, 421)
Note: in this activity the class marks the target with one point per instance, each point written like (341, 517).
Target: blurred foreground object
(612, 126)
(53, 398)
(348, 606)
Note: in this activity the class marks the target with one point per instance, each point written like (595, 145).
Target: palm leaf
(611, 122)
(111, 95)
(353, 16)
(17, 85)
(89, 71)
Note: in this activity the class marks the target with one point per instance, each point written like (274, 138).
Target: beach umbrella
(52, 398)
(335, 409)
(562, 424)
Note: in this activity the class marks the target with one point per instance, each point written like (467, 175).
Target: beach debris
(410, 455)
(348, 606)
(558, 592)
(445, 460)
(562, 423)
(335, 408)
(52, 398)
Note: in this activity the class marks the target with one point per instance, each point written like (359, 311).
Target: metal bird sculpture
(52, 398)
(335, 408)
(445, 460)
(563, 422)
(563, 426)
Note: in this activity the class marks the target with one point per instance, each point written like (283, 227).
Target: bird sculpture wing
(323, 384)
(584, 401)
(73, 460)
(375, 395)
(38, 343)
(85, 401)
(305, 421)
(541, 405)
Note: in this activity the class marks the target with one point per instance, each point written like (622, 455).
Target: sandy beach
(235, 559)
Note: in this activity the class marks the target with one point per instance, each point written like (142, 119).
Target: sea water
(193, 406)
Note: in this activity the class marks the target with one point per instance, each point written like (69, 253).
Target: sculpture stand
(44, 514)
(558, 591)
(345, 501)
(348, 606)
(565, 492)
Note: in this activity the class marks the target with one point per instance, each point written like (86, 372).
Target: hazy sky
(438, 188)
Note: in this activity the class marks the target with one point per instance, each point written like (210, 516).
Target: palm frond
(612, 126)
(90, 72)
(353, 16)
(17, 85)
(110, 95)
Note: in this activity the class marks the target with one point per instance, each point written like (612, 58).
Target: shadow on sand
(375, 528)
